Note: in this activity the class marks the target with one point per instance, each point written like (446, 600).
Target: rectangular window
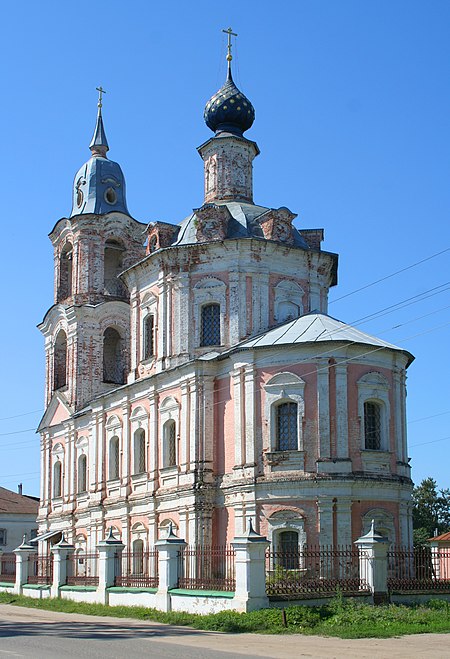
(210, 325)
(149, 327)
(286, 427)
(2, 537)
(372, 426)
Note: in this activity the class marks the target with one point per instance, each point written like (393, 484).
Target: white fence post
(107, 551)
(250, 592)
(23, 553)
(61, 552)
(168, 550)
(373, 563)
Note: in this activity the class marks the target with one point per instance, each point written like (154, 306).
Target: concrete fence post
(250, 592)
(168, 551)
(373, 563)
(108, 549)
(23, 553)
(61, 553)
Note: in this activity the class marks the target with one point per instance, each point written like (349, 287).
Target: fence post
(107, 550)
(168, 550)
(250, 593)
(373, 563)
(61, 552)
(23, 553)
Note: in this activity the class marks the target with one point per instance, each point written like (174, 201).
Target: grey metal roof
(243, 224)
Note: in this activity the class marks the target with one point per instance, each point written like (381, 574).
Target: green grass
(341, 618)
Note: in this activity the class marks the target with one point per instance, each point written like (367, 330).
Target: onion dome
(229, 110)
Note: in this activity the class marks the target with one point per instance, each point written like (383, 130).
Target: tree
(431, 510)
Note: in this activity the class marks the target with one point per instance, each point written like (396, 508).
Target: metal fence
(137, 569)
(8, 568)
(313, 572)
(40, 569)
(419, 569)
(82, 569)
(207, 568)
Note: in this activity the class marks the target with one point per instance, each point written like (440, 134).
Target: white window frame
(209, 290)
(373, 387)
(287, 291)
(113, 429)
(284, 388)
(149, 307)
(169, 411)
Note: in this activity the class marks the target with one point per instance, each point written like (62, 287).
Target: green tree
(431, 510)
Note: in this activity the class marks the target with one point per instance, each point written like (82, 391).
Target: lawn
(341, 618)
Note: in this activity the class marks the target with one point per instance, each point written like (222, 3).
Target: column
(23, 553)
(344, 521)
(249, 380)
(208, 422)
(153, 434)
(250, 591)
(235, 317)
(341, 411)
(324, 409)
(125, 471)
(238, 398)
(107, 551)
(184, 426)
(61, 553)
(325, 511)
(373, 562)
(168, 549)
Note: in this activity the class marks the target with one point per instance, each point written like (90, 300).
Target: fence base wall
(36, 592)
(202, 604)
(123, 597)
(419, 598)
(81, 595)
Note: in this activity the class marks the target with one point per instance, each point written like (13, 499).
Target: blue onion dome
(229, 110)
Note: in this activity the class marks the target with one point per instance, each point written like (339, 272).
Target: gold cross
(101, 91)
(230, 34)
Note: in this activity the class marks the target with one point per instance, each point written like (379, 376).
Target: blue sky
(352, 118)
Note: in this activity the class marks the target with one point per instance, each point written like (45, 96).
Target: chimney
(19, 489)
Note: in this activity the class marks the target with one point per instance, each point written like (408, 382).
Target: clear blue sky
(352, 107)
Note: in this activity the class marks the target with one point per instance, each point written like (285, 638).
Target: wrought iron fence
(313, 572)
(419, 569)
(8, 568)
(207, 568)
(82, 569)
(40, 569)
(137, 569)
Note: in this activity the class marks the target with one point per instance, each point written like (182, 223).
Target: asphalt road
(48, 634)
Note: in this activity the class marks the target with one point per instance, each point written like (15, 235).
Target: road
(51, 635)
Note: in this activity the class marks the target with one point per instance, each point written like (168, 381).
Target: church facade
(194, 376)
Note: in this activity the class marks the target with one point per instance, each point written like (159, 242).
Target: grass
(341, 618)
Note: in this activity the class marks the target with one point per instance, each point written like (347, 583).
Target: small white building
(18, 515)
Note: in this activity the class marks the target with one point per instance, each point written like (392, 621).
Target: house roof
(444, 537)
(314, 328)
(11, 502)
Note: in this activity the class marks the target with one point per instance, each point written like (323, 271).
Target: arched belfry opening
(65, 272)
(113, 357)
(60, 361)
(113, 266)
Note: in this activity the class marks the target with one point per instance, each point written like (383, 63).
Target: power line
(393, 274)
(16, 416)
(16, 432)
(425, 418)
(433, 441)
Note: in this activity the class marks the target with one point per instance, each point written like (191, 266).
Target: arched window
(60, 360)
(82, 474)
(286, 427)
(113, 266)
(114, 458)
(288, 550)
(139, 451)
(57, 479)
(149, 348)
(372, 426)
(113, 362)
(138, 556)
(65, 273)
(210, 325)
(170, 446)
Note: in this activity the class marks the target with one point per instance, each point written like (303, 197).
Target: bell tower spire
(99, 144)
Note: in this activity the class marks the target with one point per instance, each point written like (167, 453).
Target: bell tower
(87, 329)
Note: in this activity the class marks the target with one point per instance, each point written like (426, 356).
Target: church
(194, 376)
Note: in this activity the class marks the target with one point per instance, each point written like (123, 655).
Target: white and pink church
(194, 376)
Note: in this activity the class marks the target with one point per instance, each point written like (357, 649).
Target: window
(65, 273)
(60, 361)
(113, 266)
(57, 479)
(149, 349)
(2, 537)
(139, 451)
(82, 474)
(210, 325)
(288, 550)
(372, 426)
(138, 557)
(286, 427)
(170, 448)
(113, 361)
(114, 458)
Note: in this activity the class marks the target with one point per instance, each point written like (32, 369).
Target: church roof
(314, 328)
(243, 224)
(13, 503)
(229, 109)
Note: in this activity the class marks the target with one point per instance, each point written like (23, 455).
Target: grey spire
(99, 144)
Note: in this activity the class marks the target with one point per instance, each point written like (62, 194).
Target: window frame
(373, 387)
(216, 321)
(284, 387)
(277, 439)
